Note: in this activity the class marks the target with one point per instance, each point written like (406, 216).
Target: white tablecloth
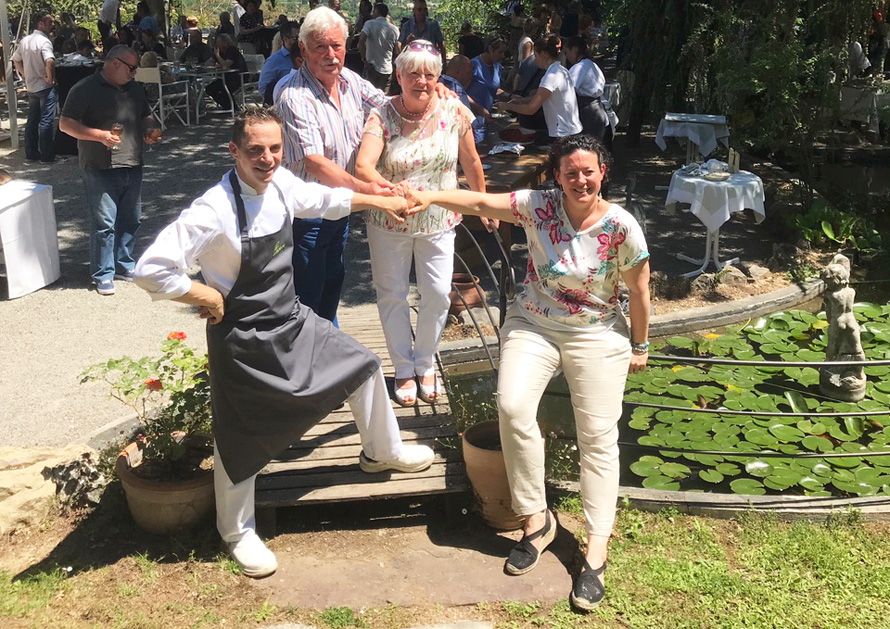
(702, 130)
(28, 236)
(864, 106)
(714, 201)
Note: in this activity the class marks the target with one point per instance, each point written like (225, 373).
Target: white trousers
(391, 255)
(380, 437)
(595, 366)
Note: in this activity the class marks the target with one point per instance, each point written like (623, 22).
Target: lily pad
(646, 466)
(711, 476)
(661, 482)
(785, 433)
(747, 486)
(758, 467)
(674, 470)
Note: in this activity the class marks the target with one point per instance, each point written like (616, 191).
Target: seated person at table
(150, 60)
(126, 37)
(148, 42)
(197, 53)
(227, 56)
(83, 54)
(279, 64)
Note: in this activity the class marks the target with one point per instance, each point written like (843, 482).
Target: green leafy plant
(170, 395)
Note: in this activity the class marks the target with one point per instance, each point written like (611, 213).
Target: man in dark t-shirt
(108, 113)
(227, 56)
(197, 52)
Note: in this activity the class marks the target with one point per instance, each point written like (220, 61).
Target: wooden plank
(346, 475)
(343, 460)
(405, 423)
(389, 489)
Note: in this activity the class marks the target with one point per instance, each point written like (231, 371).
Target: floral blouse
(424, 153)
(572, 277)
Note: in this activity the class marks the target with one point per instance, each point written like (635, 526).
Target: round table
(713, 202)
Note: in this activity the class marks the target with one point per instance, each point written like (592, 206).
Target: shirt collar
(315, 85)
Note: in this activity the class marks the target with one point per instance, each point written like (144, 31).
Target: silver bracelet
(639, 348)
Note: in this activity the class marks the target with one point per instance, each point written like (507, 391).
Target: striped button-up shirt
(315, 125)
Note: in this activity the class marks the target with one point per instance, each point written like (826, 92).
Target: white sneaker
(412, 459)
(251, 554)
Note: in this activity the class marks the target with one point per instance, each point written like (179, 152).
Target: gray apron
(276, 369)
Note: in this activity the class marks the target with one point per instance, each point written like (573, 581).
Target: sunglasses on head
(418, 45)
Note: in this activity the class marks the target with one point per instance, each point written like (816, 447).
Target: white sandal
(406, 397)
(429, 394)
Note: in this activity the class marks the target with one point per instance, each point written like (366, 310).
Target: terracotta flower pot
(465, 285)
(484, 462)
(163, 507)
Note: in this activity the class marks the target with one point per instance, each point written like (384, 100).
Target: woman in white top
(589, 84)
(526, 44)
(567, 317)
(555, 95)
(416, 140)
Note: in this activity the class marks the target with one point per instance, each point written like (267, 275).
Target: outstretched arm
(496, 206)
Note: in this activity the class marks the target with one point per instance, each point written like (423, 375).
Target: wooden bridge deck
(323, 465)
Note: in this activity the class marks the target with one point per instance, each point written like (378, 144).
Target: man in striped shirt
(324, 107)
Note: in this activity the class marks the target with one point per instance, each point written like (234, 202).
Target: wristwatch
(639, 348)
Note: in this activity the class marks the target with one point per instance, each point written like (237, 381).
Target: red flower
(153, 384)
(176, 336)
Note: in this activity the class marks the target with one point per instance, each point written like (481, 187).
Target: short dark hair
(381, 9)
(549, 44)
(494, 41)
(290, 27)
(563, 147)
(578, 43)
(41, 15)
(252, 114)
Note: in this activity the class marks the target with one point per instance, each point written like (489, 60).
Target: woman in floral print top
(416, 141)
(567, 318)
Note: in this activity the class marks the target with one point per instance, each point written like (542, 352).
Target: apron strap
(239, 203)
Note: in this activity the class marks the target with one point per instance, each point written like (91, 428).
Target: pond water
(778, 411)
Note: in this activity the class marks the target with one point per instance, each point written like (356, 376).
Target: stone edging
(713, 505)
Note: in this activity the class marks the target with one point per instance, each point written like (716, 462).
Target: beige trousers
(595, 365)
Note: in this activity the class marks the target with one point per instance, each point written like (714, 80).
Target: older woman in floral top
(416, 141)
(567, 317)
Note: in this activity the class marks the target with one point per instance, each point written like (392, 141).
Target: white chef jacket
(207, 232)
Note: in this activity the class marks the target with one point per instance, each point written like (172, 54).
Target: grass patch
(20, 596)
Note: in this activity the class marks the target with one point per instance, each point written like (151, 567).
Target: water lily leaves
(817, 444)
(868, 310)
(747, 486)
(691, 374)
(781, 478)
(661, 482)
(758, 467)
(785, 433)
(711, 476)
(674, 470)
(797, 401)
(760, 437)
(681, 342)
(809, 355)
(821, 469)
(846, 462)
(646, 466)
(811, 483)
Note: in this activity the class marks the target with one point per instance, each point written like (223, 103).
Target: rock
(732, 276)
(27, 488)
(480, 315)
(785, 255)
(663, 286)
(704, 283)
(755, 271)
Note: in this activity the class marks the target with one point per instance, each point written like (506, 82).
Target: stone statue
(843, 383)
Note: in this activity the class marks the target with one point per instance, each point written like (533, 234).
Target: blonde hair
(149, 60)
(419, 60)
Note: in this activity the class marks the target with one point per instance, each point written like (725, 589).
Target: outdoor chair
(250, 79)
(166, 99)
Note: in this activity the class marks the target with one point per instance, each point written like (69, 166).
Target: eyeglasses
(132, 68)
(417, 45)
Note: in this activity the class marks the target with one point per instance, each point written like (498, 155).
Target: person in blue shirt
(147, 21)
(459, 75)
(280, 64)
(487, 68)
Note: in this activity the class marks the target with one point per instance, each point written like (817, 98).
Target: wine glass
(117, 129)
(152, 131)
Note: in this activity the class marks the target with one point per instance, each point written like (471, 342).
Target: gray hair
(121, 51)
(422, 60)
(230, 41)
(320, 20)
